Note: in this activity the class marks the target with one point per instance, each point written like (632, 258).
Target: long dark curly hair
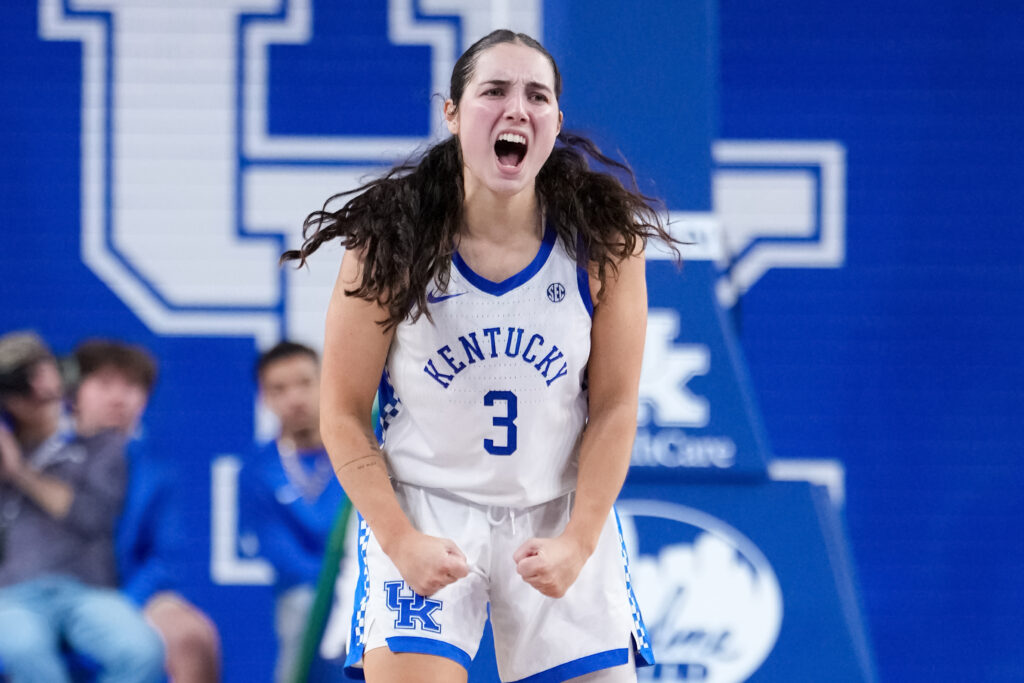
(406, 222)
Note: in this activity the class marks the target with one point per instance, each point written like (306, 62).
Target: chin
(511, 185)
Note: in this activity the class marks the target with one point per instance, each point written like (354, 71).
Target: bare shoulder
(626, 281)
(356, 342)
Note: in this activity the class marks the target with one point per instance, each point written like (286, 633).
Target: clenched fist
(550, 565)
(428, 563)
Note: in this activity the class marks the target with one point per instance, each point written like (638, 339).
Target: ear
(561, 116)
(450, 117)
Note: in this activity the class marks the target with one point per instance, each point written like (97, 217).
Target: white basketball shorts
(536, 638)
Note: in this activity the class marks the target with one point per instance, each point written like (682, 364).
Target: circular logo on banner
(710, 600)
(556, 292)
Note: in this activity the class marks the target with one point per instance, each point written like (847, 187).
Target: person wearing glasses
(60, 496)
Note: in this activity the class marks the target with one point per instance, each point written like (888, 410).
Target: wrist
(584, 536)
(393, 536)
(19, 474)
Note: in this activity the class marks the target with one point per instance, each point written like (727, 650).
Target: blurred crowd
(90, 524)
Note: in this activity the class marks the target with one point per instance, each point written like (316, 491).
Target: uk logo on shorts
(413, 610)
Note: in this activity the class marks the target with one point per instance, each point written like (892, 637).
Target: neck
(31, 436)
(304, 439)
(501, 218)
(84, 429)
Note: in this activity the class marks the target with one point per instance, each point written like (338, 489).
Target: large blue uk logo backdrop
(160, 156)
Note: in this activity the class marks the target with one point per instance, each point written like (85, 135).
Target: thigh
(388, 614)
(593, 627)
(29, 635)
(105, 625)
(25, 625)
(384, 666)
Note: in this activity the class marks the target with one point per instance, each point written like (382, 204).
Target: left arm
(616, 353)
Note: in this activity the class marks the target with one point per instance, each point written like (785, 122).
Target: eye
(539, 97)
(493, 92)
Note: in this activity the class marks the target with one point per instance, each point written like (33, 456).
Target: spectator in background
(60, 494)
(114, 385)
(290, 496)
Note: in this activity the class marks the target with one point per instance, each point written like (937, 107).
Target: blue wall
(904, 364)
(902, 361)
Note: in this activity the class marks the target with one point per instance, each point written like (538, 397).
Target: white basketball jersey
(488, 400)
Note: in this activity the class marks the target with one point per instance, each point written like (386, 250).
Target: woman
(498, 288)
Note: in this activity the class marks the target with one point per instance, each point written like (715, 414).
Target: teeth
(512, 137)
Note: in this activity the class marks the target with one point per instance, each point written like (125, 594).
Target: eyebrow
(532, 84)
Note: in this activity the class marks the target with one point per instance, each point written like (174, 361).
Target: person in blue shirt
(289, 494)
(115, 381)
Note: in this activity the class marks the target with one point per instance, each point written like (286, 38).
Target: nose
(516, 108)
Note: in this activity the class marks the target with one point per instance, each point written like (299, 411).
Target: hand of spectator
(428, 563)
(11, 460)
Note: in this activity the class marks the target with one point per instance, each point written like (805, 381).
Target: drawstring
(509, 513)
(497, 514)
(490, 515)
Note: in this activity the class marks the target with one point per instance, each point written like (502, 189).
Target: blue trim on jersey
(429, 646)
(583, 281)
(583, 275)
(579, 667)
(357, 636)
(641, 639)
(388, 406)
(505, 286)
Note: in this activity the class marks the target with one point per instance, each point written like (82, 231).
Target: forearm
(52, 495)
(604, 461)
(362, 471)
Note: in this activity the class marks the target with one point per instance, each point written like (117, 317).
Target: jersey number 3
(508, 421)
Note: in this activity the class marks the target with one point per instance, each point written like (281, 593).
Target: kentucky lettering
(495, 342)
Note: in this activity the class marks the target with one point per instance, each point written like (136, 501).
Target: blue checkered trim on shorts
(643, 641)
(359, 618)
(357, 641)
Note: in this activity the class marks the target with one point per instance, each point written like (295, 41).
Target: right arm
(355, 350)
(90, 506)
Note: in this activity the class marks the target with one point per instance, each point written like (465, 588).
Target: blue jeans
(37, 615)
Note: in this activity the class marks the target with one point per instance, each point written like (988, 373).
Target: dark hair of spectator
(280, 351)
(20, 353)
(136, 363)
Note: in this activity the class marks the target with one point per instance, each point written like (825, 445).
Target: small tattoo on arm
(370, 460)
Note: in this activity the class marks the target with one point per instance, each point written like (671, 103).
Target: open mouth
(510, 149)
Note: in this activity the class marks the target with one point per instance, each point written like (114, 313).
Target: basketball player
(496, 292)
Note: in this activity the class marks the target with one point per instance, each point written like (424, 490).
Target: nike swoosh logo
(436, 299)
